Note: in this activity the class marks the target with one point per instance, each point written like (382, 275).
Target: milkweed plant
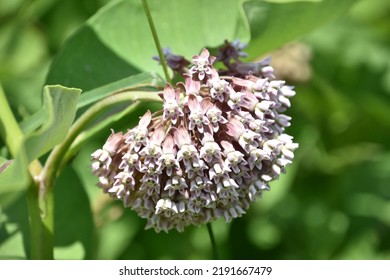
(212, 148)
(210, 151)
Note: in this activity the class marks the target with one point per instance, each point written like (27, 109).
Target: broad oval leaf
(116, 42)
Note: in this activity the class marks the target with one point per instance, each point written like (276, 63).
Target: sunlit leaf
(138, 80)
(117, 42)
(49, 126)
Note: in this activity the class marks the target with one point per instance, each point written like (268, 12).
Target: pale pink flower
(209, 153)
(197, 117)
(203, 65)
(171, 106)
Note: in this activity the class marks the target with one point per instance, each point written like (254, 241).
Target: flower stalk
(56, 157)
(212, 240)
(156, 40)
(12, 134)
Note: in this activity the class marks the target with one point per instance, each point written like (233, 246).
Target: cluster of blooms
(213, 149)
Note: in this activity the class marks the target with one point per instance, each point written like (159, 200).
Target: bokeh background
(334, 201)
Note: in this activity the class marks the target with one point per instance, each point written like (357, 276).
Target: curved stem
(58, 153)
(213, 243)
(156, 40)
(88, 134)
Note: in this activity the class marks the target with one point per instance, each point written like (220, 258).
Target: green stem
(88, 134)
(213, 243)
(12, 134)
(41, 216)
(41, 226)
(156, 40)
(9, 128)
(57, 155)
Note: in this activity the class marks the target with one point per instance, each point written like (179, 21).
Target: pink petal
(158, 135)
(206, 104)
(193, 103)
(145, 120)
(169, 93)
(205, 53)
(235, 128)
(181, 136)
(168, 144)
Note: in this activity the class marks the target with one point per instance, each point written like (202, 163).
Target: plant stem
(12, 134)
(41, 226)
(57, 155)
(156, 40)
(213, 243)
(88, 134)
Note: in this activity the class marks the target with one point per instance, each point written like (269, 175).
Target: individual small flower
(194, 167)
(150, 184)
(197, 203)
(218, 171)
(218, 89)
(256, 157)
(130, 162)
(187, 150)
(102, 158)
(214, 114)
(168, 158)
(199, 184)
(171, 106)
(197, 117)
(236, 100)
(137, 136)
(246, 138)
(176, 183)
(203, 65)
(152, 150)
(214, 147)
(234, 159)
(210, 150)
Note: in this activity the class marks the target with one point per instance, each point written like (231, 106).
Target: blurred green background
(334, 201)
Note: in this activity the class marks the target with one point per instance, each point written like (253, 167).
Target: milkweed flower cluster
(211, 151)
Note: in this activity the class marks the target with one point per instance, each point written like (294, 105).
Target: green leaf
(49, 126)
(116, 42)
(73, 217)
(14, 178)
(274, 24)
(14, 241)
(138, 80)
